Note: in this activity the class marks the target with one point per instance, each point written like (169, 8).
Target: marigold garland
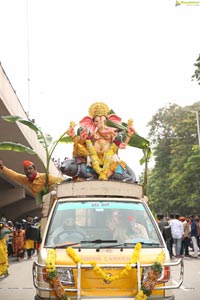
(53, 277)
(105, 161)
(122, 274)
(152, 277)
(147, 285)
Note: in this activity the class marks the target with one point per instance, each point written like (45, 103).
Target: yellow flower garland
(152, 277)
(147, 286)
(50, 261)
(122, 274)
(96, 161)
(53, 277)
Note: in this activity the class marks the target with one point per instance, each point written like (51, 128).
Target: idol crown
(98, 109)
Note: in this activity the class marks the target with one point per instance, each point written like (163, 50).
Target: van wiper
(142, 243)
(62, 245)
(82, 242)
(98, 241)
(112, 246)
(127, 244)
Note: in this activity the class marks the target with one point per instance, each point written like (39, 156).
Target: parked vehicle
(100, 240)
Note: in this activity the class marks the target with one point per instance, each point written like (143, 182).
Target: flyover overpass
(15, 200)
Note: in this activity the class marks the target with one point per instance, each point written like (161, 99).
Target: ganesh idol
(98, 139)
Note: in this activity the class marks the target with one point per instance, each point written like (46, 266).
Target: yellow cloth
(29, 244)
(3, 255)
(38, 183)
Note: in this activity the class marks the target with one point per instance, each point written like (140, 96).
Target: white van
(102, 242)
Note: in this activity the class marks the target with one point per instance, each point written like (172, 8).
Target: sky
(136, 56)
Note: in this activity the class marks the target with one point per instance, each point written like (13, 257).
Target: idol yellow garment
(37, 184)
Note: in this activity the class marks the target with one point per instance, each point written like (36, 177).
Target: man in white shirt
(177, 234)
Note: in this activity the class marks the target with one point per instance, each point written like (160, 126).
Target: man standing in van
(34, 180)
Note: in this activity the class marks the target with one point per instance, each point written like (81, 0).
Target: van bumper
(73, 298)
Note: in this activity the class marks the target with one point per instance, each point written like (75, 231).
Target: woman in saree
(19, 241)
(4, 231)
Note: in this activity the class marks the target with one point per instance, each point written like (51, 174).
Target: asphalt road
(190, 288)
(19, 284)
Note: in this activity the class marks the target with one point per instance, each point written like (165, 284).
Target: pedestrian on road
(10, 238)
(194, 236)
(186, 238)
(198, 230)
(19, 241)
(171, 241)
(165, 229)
(4, 231)
(177, 234)
(36, 222)
(29, 242)
(34, 180)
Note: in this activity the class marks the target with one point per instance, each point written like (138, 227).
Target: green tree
(196, 75)
(173, 134)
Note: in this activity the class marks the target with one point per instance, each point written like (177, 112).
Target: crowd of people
(18, 239)
(181, 234)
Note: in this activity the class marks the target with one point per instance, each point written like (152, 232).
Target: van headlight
(66, 276)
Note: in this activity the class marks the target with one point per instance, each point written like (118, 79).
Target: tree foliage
(196, 74)
(174, 182)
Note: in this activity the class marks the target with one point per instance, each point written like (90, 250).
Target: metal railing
(40, 284)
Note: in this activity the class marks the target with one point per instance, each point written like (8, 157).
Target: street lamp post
(198, 130)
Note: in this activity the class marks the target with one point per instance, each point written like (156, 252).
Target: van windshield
(92, 222)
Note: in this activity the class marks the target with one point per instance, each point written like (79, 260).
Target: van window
(89, 222)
